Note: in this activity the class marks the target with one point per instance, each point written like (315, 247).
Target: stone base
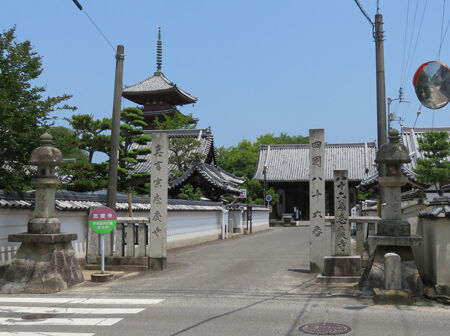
(373, 276)
(342, 266)
(157, 264)
(42, 268)
(392, 296)
(374, 241)
(42, 238)
(101, 277)
(124, 260)
(337, 279)
(393, 227)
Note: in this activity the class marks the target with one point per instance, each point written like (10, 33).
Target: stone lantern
(392, 155)
(46, 158)
(393, 233)
(45, 261)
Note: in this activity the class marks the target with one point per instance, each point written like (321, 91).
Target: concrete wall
(436, 250)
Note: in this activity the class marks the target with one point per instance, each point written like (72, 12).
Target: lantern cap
(393, 153)
(46, 154)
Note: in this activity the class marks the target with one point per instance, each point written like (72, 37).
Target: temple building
(286, 169)
(157, 95)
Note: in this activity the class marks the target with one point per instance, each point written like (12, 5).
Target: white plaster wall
(11, 221)
(236, 216)
(184, 227)
(190, 227)
(76, 222)
(260, 219)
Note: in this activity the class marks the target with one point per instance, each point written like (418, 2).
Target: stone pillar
(392, 271)
(158, 210)
(342, 266)
(317, 199)
(341, 223)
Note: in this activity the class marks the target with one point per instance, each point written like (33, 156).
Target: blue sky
(256, 66)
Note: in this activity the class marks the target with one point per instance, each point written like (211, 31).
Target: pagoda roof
(157, 87)
(212, 175)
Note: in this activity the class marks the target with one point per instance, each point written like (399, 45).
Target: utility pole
(115, 130)
(381, 94)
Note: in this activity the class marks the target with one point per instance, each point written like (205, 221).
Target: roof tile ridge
(142, 81)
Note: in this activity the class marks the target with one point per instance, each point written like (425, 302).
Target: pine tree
(131, 132)
(434, 167)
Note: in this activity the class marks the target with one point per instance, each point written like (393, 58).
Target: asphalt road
(251, 285)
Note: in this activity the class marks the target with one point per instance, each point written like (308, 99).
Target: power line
(442, 30)
(364, 13)
(411, 56)
(404, 44)
(76, 2)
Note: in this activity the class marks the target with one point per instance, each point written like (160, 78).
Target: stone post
(158, 210)
(317, 199)
(341, 223)
(392, 271)
(341, 266)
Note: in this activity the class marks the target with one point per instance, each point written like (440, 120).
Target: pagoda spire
(159, 54)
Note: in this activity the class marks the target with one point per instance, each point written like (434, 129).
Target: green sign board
(102, 220)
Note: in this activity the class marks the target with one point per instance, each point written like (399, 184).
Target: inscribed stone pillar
(317, 199)
(158, 210)
(341, 223)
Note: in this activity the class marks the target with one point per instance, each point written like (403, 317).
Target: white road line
(8, 321)
(42, 333)
(19, 299)
(60, 310)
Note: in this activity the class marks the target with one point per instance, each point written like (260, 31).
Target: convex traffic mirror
(432, 84)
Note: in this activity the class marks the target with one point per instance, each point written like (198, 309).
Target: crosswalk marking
(80, 300)
(9, 321)
(42, 333)
(79, 311)
(60, 310)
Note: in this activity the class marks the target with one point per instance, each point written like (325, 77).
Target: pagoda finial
(159, 53)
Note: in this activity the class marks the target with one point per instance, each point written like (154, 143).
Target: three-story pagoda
(157, 95)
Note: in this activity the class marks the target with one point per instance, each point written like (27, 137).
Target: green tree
(434, 167)
(188, 192)
(24, 112)
(242, 160)
(177, 121)
(131, 133)
(90, 136)
(183, 151)
(65, 140)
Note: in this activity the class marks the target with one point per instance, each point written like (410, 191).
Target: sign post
(102, 220)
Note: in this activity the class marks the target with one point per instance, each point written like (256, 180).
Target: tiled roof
(156, 84)
(204, 135)
(74, 201)
(290, 163)
(439, 208)
(411, 175)
(213, 175)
